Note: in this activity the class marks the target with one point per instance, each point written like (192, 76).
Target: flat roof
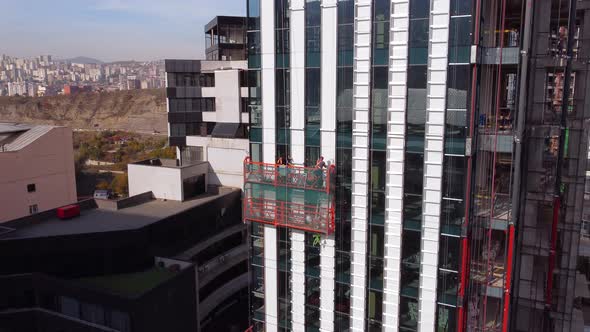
(130, 284)
(234, 20)
(99, 220)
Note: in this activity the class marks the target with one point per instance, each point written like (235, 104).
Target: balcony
(289, 196)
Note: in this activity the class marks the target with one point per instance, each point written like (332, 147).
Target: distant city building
(45, 72)
(133, 83)
(75, 89)
(36, 169)
(225, 38)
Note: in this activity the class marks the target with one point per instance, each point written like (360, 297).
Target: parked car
(103, 194)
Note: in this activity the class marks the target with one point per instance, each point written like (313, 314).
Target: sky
(110, 30)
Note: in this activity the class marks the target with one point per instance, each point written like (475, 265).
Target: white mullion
(398, 69)
(433, 159)
(267, 34)
(329, 34)
(297, 76)
(360, 161)
(297, 280)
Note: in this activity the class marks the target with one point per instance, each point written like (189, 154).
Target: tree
(102, 185)
(120, 184)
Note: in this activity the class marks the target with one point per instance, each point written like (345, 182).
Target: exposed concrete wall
(48, 162)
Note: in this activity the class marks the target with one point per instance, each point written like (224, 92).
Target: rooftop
(130, 284)
(231, 20)
(15, 136)
(96, 220)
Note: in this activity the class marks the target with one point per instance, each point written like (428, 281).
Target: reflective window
(345, 44)
(448, 285)
(253, 14)
(460, 39)
(381, 43)
(412, 212)
(343, 266)
(455, 131)
(411, 249)
(420, 8)
(312, 291)
(282, 14)
(282, 87)
(381, 10)
(344, 87)
(408, 311)
(410, 280)
(378, 170)
(449, 253)
(376, 273)
(313, 14)
(375, 305)
(376, 243)
(342, 295)
(414, 172)
(446, 319)
(454, 171)
(417, 79)
(458, 81)
(452, 215)
(377, 208)
(460, 7)
(312, 86)
(418, 42)
(345, 11)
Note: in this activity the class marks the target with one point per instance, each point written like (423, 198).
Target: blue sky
(110, 30)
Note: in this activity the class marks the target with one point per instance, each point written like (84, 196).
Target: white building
(36, 169)
(208, 117)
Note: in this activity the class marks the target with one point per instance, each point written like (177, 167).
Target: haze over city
(110, 30)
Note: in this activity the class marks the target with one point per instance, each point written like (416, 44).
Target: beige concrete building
(36, 169)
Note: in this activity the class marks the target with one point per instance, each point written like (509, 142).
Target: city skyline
(113, 30)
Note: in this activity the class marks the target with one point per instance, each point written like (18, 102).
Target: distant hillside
(134, 110)
(83, 60)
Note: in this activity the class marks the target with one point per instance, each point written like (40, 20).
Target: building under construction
(454, 136)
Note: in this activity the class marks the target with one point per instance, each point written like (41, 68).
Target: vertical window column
(378, 124)
(254, 79)
(454, 165)
(257, 296)
(344, 80)
(415, 119)
(313, 89)
(282, 80)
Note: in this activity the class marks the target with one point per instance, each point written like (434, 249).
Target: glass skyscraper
(436, 207)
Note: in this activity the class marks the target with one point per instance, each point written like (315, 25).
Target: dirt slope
(134, 110)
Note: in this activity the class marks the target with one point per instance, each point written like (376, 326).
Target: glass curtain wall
(313, 19)
(378, 117)
(343, 161)
(414, 163)
(282, 80)
(254, 80)
(284, 279)
(455, 163)
(257, 276)
(312, 282)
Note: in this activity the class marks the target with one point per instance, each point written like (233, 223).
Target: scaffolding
(290, 196)
(523, 214)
